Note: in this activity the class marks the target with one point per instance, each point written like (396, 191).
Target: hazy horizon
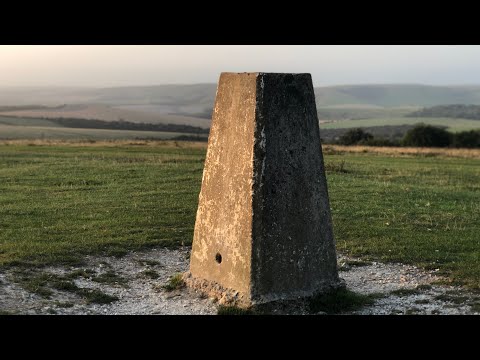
(86, 87)
(105, 66)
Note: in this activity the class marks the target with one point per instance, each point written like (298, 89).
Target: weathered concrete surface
(224, 217)
(263, 230)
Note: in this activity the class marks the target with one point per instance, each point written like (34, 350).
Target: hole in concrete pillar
(218, 258)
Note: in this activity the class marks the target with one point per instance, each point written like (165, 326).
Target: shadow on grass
(333, 302)
(339, 301)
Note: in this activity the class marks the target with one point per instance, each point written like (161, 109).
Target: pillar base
(231, 297)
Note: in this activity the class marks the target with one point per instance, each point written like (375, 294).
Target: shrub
(467, 139)
(427, 136)
(354, 136)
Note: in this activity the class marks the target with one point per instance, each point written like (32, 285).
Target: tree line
(420, 136)
(126, 125)
(458, 111)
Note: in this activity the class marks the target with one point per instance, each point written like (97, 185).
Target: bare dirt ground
(141, 276)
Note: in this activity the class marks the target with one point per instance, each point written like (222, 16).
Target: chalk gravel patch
(140, 295)
(143, 295)
(405, 289)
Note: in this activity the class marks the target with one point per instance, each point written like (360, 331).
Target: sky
(118, 65)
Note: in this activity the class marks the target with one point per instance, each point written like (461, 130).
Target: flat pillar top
(264, 74)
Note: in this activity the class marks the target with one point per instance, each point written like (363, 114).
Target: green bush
(427, 136)
(467, 139)
(354, 137)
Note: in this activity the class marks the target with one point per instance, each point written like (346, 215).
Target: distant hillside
(167, 111)
(201, 94)
(396, 95)
(175, 99)
(393, 133)
(457, 111)
(197, 99)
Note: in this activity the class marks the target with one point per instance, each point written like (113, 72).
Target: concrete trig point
(263, 230)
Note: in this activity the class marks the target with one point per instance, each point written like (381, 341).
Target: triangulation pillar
(263, 230)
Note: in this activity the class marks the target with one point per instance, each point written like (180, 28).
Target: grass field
(453, 125)
(58, 132)
(109, 113)
(60, 201)
(345, 112)
(15, 121)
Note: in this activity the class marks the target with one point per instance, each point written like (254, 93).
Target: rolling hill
(339, 107)
(196, 98)
(396, 95)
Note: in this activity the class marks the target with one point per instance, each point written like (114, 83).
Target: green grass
(96, 296)
(36, 283)
(42, 283)
(45, 130)
(64, 305)
(110, 277)
(151, 274)
(18, 121)
(415, 210)
(338, 167)
(234, 310)
(405, 292)
(422, 301)
(454, 298)
(453, 125)
(412, 311)
(85, 273)
(148, 262)
(475, 307)
(174, 283)
(5, 312)
(424, 287)
(58, 203)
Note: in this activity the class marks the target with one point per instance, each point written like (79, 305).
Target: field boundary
(404, 151)
(104, 143)
(327, 149)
